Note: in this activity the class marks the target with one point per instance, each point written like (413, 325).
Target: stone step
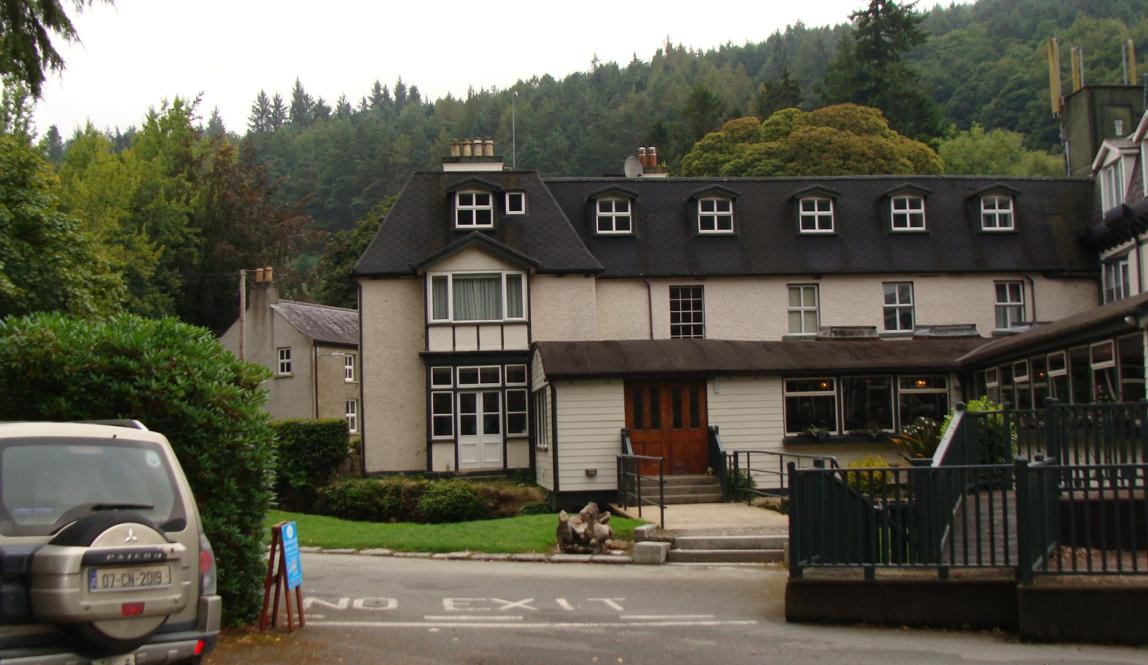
(683, 480)
(692, 497)
(770, 542)
(725, 556)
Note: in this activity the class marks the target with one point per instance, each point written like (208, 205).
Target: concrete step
(725, 556)
(770, 542)
(648, 481)
(690, 497)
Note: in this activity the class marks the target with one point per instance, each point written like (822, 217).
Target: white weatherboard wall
(591, 415)
(543, 457)
(747, 412)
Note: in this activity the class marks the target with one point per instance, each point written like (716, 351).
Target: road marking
(464, 617)
(562, 625)
(564, 604)
(665, 617)
(610, 602)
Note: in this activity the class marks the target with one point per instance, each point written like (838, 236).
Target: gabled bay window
(473, 297)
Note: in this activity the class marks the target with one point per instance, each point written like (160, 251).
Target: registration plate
(126, 659)
(136, 577)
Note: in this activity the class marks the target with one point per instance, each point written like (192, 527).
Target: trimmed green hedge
(179, 381)
(309, 452)
(402, 499)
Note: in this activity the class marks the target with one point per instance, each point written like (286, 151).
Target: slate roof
(420, 225)
(1096, 321)
(1051, 216)
(660, 357)
(334, 325)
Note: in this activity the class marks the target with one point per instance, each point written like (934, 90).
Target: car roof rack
(120, 422)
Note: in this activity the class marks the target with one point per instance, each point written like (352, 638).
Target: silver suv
(103, 558)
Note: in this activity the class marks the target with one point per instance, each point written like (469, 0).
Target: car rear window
(42, 479)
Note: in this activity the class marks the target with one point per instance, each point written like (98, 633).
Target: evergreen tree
(780, 93)
(343, 107)
(26, 29)
(870, 70)
(215, 127)
(302, 106)
(278, 116)
(259, 121)
(52, 145)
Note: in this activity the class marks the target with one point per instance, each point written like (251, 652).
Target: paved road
(383, 610)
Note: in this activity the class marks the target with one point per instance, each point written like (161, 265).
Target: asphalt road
(385, 610)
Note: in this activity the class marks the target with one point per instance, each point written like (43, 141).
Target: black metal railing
(902, 517)
(632, 470)
(717, 461)
(750, 473)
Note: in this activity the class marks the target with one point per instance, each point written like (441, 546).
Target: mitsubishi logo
(131, 537)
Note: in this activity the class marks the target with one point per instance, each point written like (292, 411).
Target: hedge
(177, 380)
(402, 499)
(309, 454)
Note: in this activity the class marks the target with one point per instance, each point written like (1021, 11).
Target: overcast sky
(138, 52)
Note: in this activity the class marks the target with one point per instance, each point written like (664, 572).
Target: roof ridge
(315, 304)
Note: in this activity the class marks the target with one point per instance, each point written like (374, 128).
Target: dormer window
(907, 213)
(815, 215)
(614, 216)
(473, 210)
(1112, 184)
(997, 213)
(516, 203)
(715, 215)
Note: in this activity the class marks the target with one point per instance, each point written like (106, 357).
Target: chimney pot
(268, 275)
(652, 155)
(259, 275)
(642, 157)
(488, 148)
(466, 148)
(477, 146)
(455, 150)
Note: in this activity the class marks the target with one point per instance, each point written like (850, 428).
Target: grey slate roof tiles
(335, 325)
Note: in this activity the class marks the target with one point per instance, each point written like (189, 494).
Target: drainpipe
(315, 375)
(1139, 266)
(649, 305)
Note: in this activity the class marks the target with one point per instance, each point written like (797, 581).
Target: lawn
(528, 533)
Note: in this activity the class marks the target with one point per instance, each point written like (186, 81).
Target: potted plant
(918, 441)
(815, 432)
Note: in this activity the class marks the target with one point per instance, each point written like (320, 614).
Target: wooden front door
(668, 419)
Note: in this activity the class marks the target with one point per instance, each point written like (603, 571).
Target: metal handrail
(717, 459)
(628, 478)
(735, 470)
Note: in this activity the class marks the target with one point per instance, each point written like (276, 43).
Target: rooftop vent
(947, 330)
(848, 332)
(474, 154)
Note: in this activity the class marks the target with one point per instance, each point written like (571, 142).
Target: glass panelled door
(479, 429)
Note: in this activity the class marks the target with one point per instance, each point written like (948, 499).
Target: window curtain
(439, 302)
(478, 298)
(514, 296)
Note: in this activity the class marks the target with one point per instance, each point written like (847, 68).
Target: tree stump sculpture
(588, 532)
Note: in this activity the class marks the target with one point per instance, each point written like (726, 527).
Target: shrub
(371, 499)
(309, 453)
(996, 445)
(535, 508)
(177, 380)
(869, 482)
(450, 501)
(919, 440)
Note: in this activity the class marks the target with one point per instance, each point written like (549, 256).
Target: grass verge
(528, 533)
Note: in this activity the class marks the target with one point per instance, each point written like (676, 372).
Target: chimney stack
(642, 156)
(268, 273)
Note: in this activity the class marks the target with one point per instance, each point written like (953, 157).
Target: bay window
(462, 297)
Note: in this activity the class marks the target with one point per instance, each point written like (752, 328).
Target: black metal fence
(1080, 507)
(634, 473)
(750, 473)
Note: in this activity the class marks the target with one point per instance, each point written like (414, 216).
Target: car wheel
(105, 621)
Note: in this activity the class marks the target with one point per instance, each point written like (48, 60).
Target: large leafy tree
(870, 68)
(26, 29)
(333, 282)
(845, 139)
(995, 152)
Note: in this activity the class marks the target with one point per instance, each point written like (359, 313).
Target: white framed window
(815, 215)
(284, 365)
(1112, 184)
(907, 213)
(352, 415)
(479, 376)
(613, 216)
(442, 377)
(922, 396)
(1114, 273)
(898, 306)
(867, 403)
(1020, 371)
(470, 297)
(1009, 304)
(516, 412)
(803, 312)
(515, 203)
(810, 405)
(1102, 355)
(442, 415)
(349, 367)
(473, 210)
(541, 420)
(516, 375)
(715, 215)
(997, 213)
(687, 312)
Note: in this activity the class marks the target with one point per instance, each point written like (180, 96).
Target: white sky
(138, 52)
